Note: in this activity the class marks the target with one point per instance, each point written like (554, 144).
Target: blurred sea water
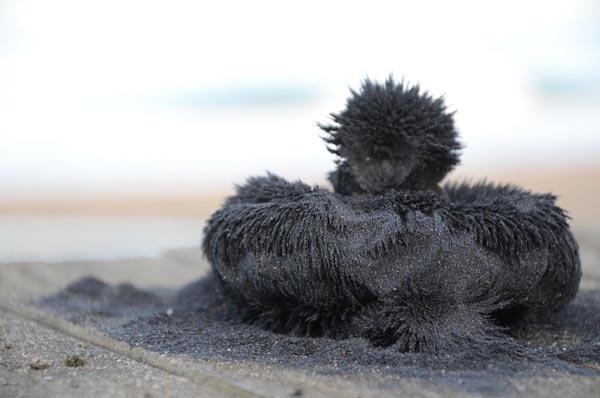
(72, 238)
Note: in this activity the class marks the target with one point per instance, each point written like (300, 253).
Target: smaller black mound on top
(389, 136)
(390, 256)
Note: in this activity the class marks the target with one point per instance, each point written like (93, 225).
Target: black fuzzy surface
(416, 270)
(390, 256)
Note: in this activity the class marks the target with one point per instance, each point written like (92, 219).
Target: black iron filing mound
(391, 256)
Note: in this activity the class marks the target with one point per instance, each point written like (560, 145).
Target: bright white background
(128, 95)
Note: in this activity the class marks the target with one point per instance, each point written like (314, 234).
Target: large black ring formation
(391, 255)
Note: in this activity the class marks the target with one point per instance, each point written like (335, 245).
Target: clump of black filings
(391, 256)
(391, 136)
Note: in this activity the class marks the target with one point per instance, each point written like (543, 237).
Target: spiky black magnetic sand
(391, 256)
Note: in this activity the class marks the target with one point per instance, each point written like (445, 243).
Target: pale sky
(101, 95)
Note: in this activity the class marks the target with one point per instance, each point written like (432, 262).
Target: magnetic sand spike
(391, 255)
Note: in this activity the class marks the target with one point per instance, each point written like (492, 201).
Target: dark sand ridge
(196, 324)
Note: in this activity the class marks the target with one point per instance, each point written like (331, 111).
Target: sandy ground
(117, 369)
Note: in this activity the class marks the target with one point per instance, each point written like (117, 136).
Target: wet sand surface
(140, 311)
